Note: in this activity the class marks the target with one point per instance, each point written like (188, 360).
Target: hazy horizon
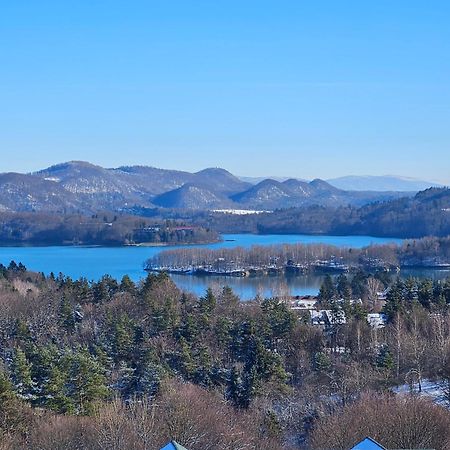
(237, 174)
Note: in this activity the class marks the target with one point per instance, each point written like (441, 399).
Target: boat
(293, 268)
(202, 271)
(330, 267)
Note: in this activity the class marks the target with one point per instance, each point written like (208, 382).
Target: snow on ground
(435, 390)
(239, 212)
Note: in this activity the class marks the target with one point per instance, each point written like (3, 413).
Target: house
(377, 320)
(368, 444)
(327, 318)
(306, 302)
(318, 318)
(172, 445)
(335, 318)
(352, 301)
(382, 295)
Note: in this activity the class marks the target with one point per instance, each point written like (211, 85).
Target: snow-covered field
(239, 212)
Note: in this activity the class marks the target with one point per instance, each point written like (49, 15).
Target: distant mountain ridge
(425, 214)
(381, 183)
(79, 186)
(377, 183)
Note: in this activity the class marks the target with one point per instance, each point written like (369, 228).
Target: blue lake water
(93, 262)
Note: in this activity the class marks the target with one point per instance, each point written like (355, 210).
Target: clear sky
(298, 88)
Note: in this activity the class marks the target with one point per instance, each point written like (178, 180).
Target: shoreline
(143, 244)
(222, 238)
(283, 274)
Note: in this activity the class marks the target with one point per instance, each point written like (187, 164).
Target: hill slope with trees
(114, 364)
(81, 187)
(425, 214)
(98, 229)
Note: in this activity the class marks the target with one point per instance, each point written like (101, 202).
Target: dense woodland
(98, 229)
(119, 365)
(425, 214)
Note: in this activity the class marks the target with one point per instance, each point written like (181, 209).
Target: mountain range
(79, 186)
(427, 213)
(379, 183)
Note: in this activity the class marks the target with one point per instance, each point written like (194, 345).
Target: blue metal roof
(172, 445)
(368, 444)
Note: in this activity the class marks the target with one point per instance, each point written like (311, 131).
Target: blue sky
(306, 89)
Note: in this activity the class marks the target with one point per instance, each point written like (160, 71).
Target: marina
(93, 262)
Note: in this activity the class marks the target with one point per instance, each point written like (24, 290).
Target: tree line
(98, 229)
(425, 214)
(425, 252)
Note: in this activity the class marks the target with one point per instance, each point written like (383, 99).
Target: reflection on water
(425, 273)
(93, 262)
(249, 287)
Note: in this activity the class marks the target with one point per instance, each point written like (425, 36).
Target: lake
(93, 262)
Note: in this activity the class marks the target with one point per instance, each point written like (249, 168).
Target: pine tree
(322, 362)
(208, 302)
(122, 337)
(6, 388)
(10, 417)
(358, 284)
(43, 359)
(67, 315)
(187, 364)
(234, 387)
(394, 299)
(279, 317)
(249, 388)
(425, 293)
(327, 290)
(385, 358)
(54, 392)
(86, 381)
(228, 298)
(21, 374)
(22, 331)
(148, 374)
(343, 287)
(127, 285)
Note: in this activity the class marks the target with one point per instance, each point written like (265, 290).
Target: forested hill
(98, 229)
(81, 187)
(116, 365)
(425, 214)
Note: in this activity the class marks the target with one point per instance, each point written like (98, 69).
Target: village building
(318, 318)
(306, 302)
(382, 295)
(377, 320)
(326, 318)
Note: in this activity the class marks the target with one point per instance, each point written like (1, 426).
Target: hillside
(425, 214)
(192, 196)
(272, 194)
(379, 183)
(20, 192)
(81, 187)
(33, 228)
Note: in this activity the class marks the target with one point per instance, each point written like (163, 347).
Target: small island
(297, 259)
